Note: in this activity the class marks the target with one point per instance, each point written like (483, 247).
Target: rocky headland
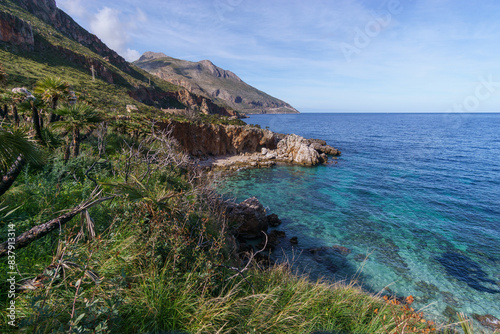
(232, 147)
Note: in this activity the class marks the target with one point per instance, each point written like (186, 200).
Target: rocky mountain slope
(206, 79)
(37, 40)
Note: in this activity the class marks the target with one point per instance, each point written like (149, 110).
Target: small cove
(419, 194)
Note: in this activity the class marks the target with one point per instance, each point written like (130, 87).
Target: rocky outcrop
(202, 140)
(205, 105)
(248, 146)
(15, 31)
(24, 92)
(291, 149)
(297, 149)
(248, 217)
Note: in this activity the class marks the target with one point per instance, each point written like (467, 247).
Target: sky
(322, 55)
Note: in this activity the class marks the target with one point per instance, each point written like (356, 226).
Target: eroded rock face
(249, 217)
(247, 146)
(16, 31)
(206, 106)
(216, 140)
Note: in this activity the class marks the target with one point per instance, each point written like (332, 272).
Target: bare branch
(41, 230)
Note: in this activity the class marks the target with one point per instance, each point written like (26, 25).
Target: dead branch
(9, 178)
(42, 230)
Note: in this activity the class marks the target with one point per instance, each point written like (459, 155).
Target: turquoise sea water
(418, 193)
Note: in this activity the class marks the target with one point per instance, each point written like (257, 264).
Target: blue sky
(322, 55)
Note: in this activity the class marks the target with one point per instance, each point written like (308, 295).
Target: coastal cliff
(233, 146)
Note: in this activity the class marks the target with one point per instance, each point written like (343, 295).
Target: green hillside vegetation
(25, 68)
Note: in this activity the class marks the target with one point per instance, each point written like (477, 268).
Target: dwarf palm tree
(52, 90)
(75, 118)
(5, 100)
(32, 105)
(3, 75)
(15, 151)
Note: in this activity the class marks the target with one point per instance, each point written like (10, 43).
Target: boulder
(249, 218)
(23, 91)
(321, 146)
(297, 149)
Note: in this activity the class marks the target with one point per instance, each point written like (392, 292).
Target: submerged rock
(488, 320)
(273, 220)
(464, 269)
(450, 299)
(450, 313)
(272, 240)
(341, 249)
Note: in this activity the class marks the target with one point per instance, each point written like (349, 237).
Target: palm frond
(13, 143)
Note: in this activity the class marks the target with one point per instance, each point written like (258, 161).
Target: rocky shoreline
(225, 148)
(233, 147)
(292, 149)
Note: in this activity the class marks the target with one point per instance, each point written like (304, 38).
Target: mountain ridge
(37, 34)
(207, 79)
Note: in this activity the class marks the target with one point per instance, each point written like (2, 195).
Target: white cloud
(72, 7)
(114, 30)
(131, 55)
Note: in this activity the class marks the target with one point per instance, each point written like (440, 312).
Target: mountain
(38, 40)
(205, 79)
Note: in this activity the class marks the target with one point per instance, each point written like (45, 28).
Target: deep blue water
(418, 193)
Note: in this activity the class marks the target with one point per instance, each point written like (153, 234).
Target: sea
(414, 199)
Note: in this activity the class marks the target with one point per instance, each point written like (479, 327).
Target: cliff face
(47, 11)
(216, 140)
(262, 148)
(16, 31)
(206, 79)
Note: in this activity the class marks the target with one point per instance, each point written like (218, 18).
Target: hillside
(38, 40)
(204, 78)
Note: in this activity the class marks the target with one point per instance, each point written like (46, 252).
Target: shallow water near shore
(419, 193)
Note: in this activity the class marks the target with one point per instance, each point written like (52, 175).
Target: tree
(5, 99)
(15, 151)
(75, 118)
(3, 75)
(32, 106)
(52, 91)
